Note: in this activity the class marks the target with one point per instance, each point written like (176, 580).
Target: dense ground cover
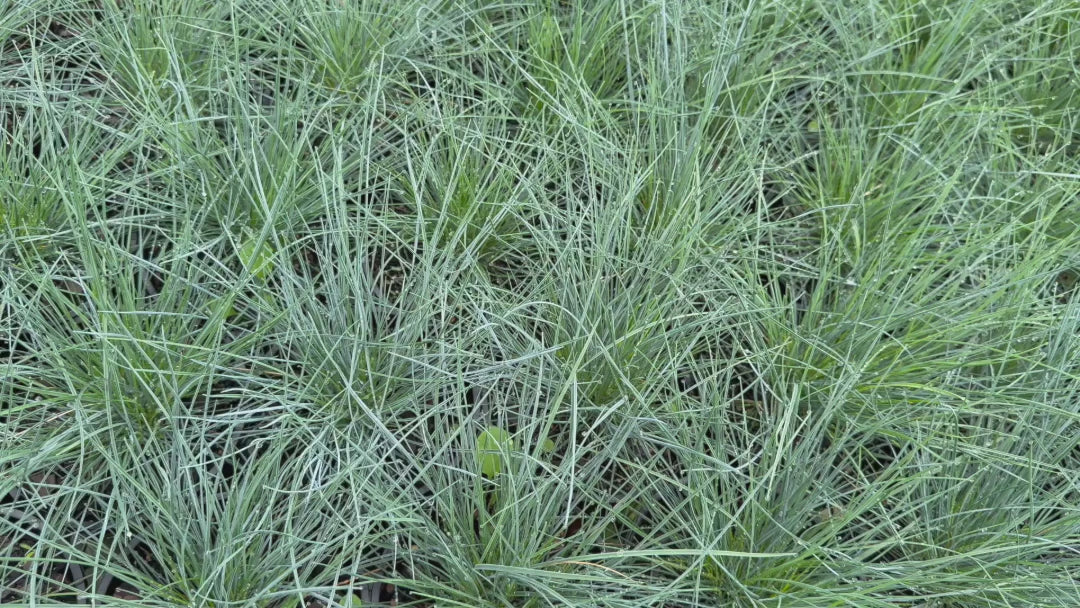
(627, 303)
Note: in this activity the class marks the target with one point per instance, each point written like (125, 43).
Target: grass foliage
(605, 303)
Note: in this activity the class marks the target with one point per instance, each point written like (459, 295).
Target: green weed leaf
(489, 450)
(258, 261)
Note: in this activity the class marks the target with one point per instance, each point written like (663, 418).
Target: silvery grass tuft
(624, 303)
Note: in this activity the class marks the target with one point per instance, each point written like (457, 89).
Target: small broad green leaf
(548, 446)
(489, 450)
(224, 306)
(352, 601)
(259, 262)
